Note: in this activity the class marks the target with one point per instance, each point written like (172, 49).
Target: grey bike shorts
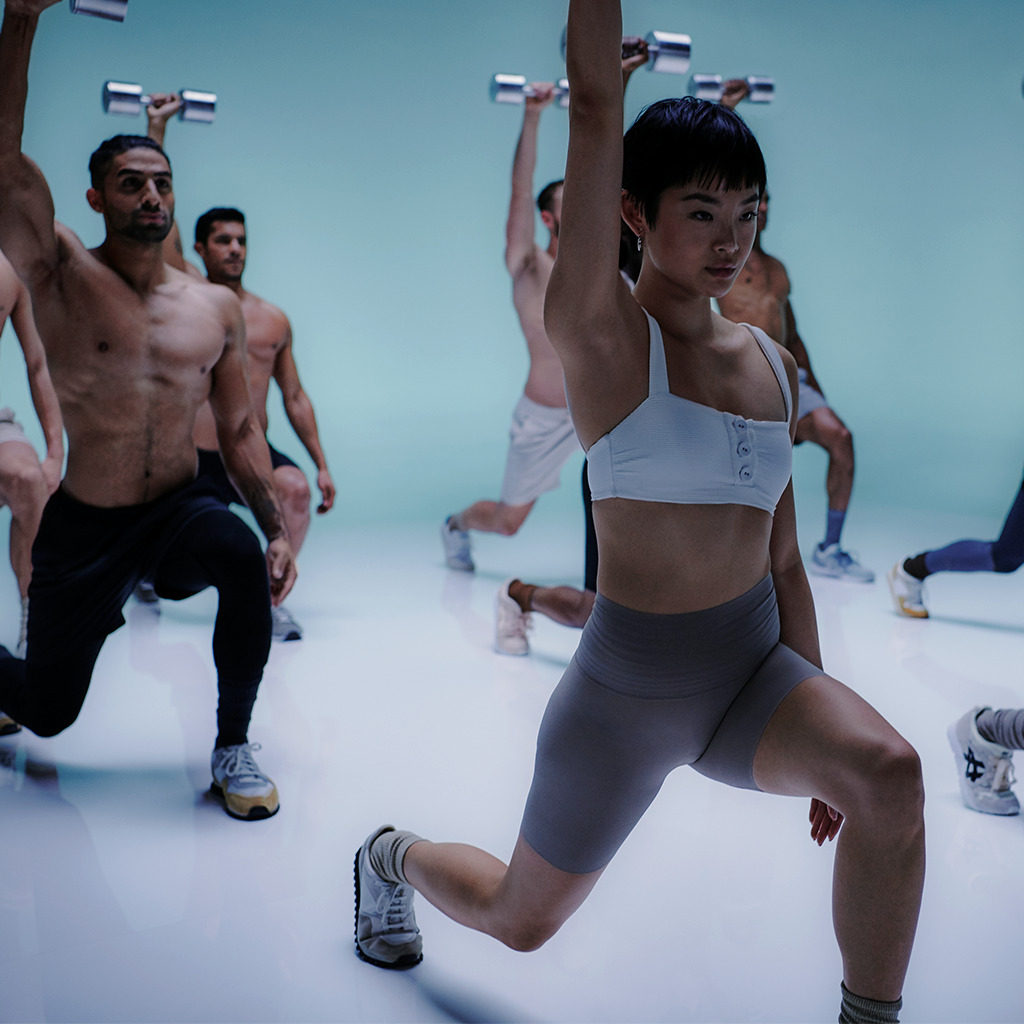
(644, 694)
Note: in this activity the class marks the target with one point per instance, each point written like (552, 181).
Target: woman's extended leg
(825, 742)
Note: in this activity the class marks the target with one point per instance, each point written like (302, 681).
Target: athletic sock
(916, 566)
(861, 1010)
(1005, 727)
(833, 526)
(388, 852)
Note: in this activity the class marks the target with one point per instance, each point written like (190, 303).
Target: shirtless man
(25, 482)
(135, 348)
(541, 436)
(760, 297)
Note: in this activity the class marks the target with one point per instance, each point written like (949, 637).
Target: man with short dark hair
(135, 348)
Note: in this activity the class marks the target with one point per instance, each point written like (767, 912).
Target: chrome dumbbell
(515, 89)
(128, 100)
(112, 10)
(666, 51)
(712, 87)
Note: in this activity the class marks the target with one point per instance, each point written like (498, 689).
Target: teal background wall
(360, 141)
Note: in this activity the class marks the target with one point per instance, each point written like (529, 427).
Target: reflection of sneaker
(833, 561)
(907, 592)
(145, 594)
(8, 725)
(510, 623)
(985, 769)
(284, 626)
(386, 930)
(22, 649)
(456, 547)
(247, 793)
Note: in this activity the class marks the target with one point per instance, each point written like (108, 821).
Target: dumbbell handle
(112, 10)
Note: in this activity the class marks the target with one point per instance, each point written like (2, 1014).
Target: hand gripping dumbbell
(515, 89)
(712, 87)
(127, 99)
(112, 10)
(666, 51)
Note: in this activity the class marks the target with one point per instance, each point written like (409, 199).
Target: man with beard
(135, 348)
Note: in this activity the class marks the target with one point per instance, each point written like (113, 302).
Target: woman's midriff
(664, 558)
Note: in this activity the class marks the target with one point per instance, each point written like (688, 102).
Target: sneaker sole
(258, 812)
(402, 963)
(291, 635)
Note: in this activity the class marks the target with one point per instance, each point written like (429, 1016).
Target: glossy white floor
(126, 894)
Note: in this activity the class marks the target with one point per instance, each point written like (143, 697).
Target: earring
(639, 243)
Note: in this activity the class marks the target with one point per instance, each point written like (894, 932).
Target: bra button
(745, 473)
(743, 448)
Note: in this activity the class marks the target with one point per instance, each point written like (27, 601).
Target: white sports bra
(674, 450)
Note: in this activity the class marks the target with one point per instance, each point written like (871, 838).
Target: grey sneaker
(8, 725)
(247, 793)
(985, 770)
(386, 931)
(456, 547)
(833, 561)
(284, 627)
(510, 623)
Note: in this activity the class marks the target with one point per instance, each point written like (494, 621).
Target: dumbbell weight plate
(707, 87)
(122, 98)
(112, 10)
(670, 52)
(197, 106)
(762, 90)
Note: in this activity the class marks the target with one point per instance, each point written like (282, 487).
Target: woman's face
(702, 236)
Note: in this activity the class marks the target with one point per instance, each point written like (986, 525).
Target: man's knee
(511, 518)
(292, 488)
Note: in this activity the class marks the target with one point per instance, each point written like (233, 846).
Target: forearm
(247, 461)
(16, 36)
(300, 415)
(44, 398)
(797, 620)
(594, 53)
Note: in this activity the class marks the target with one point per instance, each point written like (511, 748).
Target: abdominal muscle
(666, 559)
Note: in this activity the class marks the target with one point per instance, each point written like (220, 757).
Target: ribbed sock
(861, 1010)
(833, 526)
(387, 853)
(916, 566)
(1005, 727)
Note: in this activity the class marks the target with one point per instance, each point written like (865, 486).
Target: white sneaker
(838, 564)
(985, 770)
(510, 623)
(247, 793)
(284, 627)
(456, 547)
(907, 592)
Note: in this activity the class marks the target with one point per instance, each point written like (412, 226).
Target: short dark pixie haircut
(677, 141)
(103, 157)
(228, 214)
(546, 199)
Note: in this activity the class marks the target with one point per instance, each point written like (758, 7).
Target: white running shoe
(284, 627)
(510, 623)
(386, 931)
(838, 564)
(456, 547)
(247, 793)
(985, 770)
(907, 592)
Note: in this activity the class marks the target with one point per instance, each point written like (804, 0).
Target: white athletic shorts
(541, 441)
(807, 398)
(10, 428)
